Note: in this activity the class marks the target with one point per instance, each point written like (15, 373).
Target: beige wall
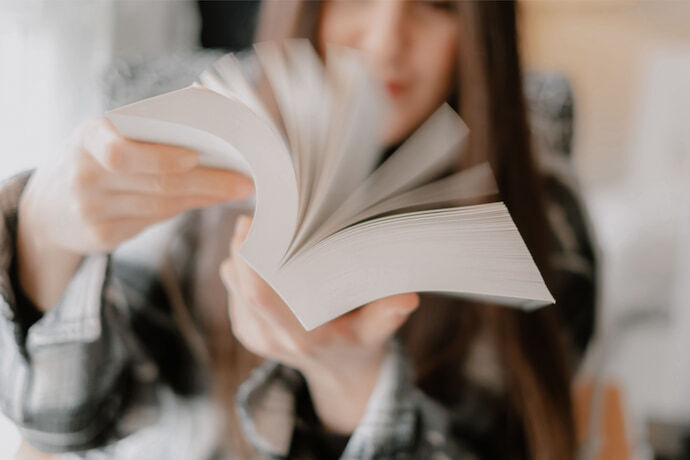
(602, 46)
(629, 65)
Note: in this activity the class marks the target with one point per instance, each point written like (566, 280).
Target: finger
(257, 293)
(199, 181)
(132, 205)
(255, 289)
(253, 286)
(249, 329)
(228, 276)
(255, 308)
(375, 322)
(229, 279)
(242, 226)
(260, 296)
(253, 330)
(118, 154)
(225, 271)
(235, 290)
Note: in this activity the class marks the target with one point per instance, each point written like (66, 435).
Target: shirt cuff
(390, 419)
(76, 315)
(52, 392)
(265, 404)
(10, 192)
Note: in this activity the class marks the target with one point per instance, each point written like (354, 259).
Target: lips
(394, 88)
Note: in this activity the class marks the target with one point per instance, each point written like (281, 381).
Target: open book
(332, 228)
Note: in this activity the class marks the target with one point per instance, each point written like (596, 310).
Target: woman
(89, 344)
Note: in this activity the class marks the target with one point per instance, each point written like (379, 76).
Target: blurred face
(411, 45)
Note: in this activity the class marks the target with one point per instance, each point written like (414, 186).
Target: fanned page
(332, 232)
(349, 154)
(440, 138)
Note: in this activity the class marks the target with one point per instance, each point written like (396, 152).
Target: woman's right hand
(103, 190)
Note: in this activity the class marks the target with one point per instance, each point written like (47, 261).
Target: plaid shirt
(67, 374)
(81, 379)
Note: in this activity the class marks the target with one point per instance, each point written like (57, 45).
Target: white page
(277, 71)
(431, 149)
(461, 188)
(313, 110)
(352, 141)
(227, 77)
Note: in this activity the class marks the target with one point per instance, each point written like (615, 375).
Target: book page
(226, 77)
(467, 187)
(298, 83)
(470, 186)
(433, 148)
(352, 139)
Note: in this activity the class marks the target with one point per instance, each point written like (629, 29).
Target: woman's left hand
(340, 360)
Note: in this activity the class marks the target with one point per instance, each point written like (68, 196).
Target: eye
(438, 5)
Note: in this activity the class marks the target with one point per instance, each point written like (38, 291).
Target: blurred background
(628, 64)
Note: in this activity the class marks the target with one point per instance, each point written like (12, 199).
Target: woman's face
(412, 46)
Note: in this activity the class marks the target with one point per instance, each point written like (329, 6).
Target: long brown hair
(439, 335)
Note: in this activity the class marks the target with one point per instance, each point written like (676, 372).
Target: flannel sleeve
(63, 373)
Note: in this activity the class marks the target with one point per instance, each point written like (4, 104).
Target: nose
(383, 39)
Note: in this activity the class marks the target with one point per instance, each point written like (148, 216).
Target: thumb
(377, 321)
(242, 226)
